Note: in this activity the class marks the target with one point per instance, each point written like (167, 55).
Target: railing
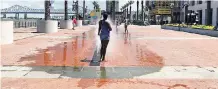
(25, 23)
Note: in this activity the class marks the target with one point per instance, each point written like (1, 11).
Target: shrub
(208, 27)
(205, 27)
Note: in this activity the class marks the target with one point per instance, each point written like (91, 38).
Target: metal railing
(25, 23)
(22, 23)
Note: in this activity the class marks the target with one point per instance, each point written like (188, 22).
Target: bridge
(17, 9)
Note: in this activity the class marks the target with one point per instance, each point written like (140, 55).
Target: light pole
(83, 9)
(130, 12)
(113, 10)
(137, 12)
(142, 15)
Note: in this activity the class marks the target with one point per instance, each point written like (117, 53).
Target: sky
(58, 4)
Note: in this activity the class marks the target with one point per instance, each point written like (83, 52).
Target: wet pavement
(145, 57)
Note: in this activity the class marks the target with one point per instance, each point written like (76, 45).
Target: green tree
(96, 5)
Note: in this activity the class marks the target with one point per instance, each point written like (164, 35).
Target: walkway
(147, 57)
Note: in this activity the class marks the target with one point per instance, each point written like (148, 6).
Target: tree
(96, 6)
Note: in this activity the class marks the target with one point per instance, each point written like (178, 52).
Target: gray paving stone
(82, 74)
(9, 68)
(111, 72)
(41, 74)
(13, 74)
(57, 68)
(90, 69)
(72, 69)
(41, 68)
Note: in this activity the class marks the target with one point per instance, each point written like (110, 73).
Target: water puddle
(66, 53)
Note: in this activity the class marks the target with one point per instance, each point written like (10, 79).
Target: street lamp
(188, 18)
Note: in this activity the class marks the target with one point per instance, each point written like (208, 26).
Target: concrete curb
(191, 30)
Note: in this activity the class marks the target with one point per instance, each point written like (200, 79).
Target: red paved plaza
(180, 60)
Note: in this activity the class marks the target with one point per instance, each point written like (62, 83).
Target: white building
(200, 6)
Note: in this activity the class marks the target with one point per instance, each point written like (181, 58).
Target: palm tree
(96, 6)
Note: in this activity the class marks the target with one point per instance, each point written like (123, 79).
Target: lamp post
(188, 18)
(84, 9)
(142, 7)
(137, 12)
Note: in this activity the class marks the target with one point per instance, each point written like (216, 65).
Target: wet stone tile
(81, 74)
(41, 68)
(41, 74)
(78, 69)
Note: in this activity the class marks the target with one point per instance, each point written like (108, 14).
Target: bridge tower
(4, 16)
(25, 15)
(17, 15)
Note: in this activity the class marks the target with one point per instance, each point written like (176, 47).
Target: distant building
(201, 6)
(162, 10)
(108, 6)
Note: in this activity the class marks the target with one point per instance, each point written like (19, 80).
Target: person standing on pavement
(216, 27)
(104, 33)
(74, 22)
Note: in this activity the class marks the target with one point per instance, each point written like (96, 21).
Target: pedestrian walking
(125, 26)
(74, 22)
(117, 22)
(104, 33)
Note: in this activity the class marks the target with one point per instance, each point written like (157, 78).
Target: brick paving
(180, 60)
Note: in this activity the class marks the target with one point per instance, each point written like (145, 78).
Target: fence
(25, 23)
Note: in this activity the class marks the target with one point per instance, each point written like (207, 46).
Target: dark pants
(126, 30)
(104, 44)
(215, 28)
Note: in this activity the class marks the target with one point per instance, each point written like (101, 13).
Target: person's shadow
(127, 38)
(103, 77)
